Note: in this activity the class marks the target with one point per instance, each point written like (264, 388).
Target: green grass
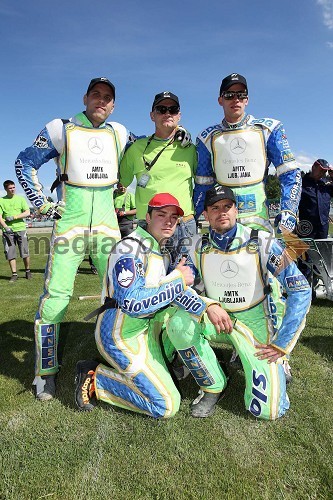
(52, 451)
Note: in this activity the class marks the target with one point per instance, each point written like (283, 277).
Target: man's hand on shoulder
(219, 318)
(186, 272)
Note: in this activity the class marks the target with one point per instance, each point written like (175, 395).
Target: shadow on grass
(320, 344)
(21, 273)
(77, 342)
(17, 349)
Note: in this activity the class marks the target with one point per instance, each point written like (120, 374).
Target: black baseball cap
(323, 164)
(218, 193)
(164, 95)
(102, 79)
(230, 80)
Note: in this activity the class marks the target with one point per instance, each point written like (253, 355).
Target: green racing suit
(87, 161)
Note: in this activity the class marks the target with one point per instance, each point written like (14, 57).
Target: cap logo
(234, 76)
(166, 94)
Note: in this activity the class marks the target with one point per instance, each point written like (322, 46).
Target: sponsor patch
(48, 344)
(195, 364)
(275, 261)
(41, 142)
(125, 272)
(298, 282)
(139, 269)
(246, 203)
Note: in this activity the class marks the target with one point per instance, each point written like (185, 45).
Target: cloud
(330, 45)
(304, 161)
(327, 6)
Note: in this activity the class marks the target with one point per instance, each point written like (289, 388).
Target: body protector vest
(91, 156)
(235, 277)
(240, 162)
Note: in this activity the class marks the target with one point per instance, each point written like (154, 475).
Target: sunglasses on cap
(230, 94)
(173, 110)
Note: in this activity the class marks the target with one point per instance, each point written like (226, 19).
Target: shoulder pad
(208, 131)
(268, 123)
(117, 126)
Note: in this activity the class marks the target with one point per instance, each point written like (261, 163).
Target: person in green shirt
(124, 204)
(13, 209)
(160, 162)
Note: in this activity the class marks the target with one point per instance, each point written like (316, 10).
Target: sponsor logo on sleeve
(41, 142)
(298, 282)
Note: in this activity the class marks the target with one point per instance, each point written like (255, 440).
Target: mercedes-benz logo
(238, 146)
(229, 269)
(95, 145)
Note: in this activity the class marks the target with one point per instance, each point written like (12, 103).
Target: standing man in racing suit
(237, 153)
(233, 262)
(87, 151)
(159, 162)
(140, 295)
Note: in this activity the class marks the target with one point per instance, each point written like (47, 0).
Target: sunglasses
(173, 110)
(228, 96)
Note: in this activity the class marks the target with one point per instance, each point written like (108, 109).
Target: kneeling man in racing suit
(140, 295)
(233, 262)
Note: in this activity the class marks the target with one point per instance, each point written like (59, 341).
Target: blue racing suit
(234, 270)
(238, 155)
(145, 292)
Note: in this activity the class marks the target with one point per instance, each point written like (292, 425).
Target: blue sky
(51, 50)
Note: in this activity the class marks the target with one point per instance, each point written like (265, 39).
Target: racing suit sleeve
(298, 297)
(204, 178)
(33, 157)
(190, 300)
(127, 273)
(279, 153)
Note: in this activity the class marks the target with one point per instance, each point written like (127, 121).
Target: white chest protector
(92, 156)
(233, 278)
(239, 157)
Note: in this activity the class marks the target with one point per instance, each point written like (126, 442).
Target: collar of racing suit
(239, 124)
(223, 241)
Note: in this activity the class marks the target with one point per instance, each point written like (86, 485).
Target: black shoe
(44, 387)
(93, 269)
(28, 275)
(13, 278)
(204, 405)
(84, 394)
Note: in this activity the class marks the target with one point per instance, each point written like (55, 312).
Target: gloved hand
(10, 219)
(285, 221)
(53, 210)
(7, 230)
(183, 136)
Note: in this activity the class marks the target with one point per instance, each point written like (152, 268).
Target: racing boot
(85, 398)
(287, 372)
(204, 405)
(44, 387)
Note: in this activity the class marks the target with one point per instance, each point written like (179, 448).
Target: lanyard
(150, 164)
